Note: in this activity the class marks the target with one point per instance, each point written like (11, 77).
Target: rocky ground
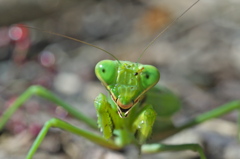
(199, 60)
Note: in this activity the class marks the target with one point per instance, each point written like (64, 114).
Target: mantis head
(127, 82)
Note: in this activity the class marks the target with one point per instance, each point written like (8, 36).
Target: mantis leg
(224, 109)
(143, 123)
(57, 123)
(44, 93)
(154, 148)
(103, 112)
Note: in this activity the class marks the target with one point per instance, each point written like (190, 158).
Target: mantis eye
(150, 76)
(106, 71)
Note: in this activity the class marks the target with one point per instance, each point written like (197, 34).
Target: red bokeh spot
(18, 33)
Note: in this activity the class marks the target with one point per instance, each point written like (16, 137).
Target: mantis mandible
(129, 113)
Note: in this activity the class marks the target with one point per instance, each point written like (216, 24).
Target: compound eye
(106, 71)
(149, 76)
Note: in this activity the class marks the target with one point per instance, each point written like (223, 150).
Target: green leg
(110, 123)
(105, 122)
(154, 148)
(42, 92)
(224, 109)
(57, 123)
(143, 123)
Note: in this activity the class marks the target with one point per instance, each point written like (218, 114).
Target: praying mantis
(130, 114)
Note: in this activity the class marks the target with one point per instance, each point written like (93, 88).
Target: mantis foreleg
(144, 122)
(104, 119)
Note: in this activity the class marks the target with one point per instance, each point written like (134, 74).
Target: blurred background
(198, 57)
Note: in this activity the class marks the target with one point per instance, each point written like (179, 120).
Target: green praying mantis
(134, 109)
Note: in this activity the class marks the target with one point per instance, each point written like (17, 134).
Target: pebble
(67, 83)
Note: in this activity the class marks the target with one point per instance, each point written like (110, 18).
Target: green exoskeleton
(131, 112)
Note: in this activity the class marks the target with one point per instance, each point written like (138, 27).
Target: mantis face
(126, 82)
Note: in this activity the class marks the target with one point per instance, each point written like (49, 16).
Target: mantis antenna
(74, 39)
(165, 29)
